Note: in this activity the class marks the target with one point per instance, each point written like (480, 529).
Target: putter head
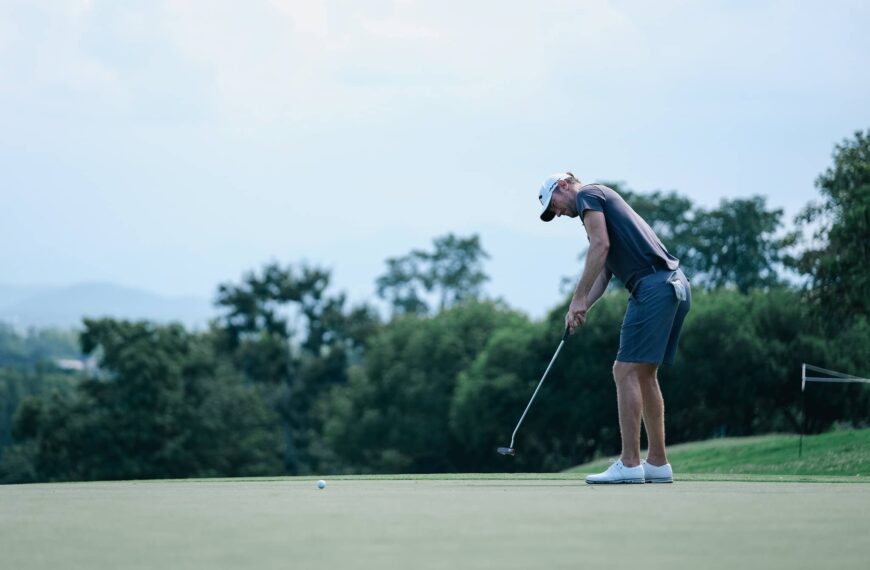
(507, 450)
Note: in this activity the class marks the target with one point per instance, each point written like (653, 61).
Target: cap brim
(546, 213)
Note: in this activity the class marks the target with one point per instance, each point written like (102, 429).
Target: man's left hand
(576, 316)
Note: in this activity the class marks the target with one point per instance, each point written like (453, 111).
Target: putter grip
(566, 335)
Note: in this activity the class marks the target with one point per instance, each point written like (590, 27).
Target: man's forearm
(598, 288)
(595, 258)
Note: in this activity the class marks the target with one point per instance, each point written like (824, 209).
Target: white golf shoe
(618, 473)
(657, 473)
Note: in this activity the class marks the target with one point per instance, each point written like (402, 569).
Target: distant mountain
(11, 294)
(66, 306)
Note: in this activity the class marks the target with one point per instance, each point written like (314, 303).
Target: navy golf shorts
(652, 323)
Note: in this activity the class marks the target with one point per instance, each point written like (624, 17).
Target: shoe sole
(619, 482)
(659, 481)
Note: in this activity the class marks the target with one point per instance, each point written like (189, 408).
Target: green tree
(17, 384)
(392, 416)
(451, 272)
(736, 245)
(256, 325)
(35, 346)
(669, 214)
(293, 365)
(737, 372)
(27, 369)
(403, 285)
(163, 405)
(13, 348)
(836, 259)
(574, 414)
(259, 310)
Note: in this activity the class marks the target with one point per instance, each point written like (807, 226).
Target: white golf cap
(546, 192)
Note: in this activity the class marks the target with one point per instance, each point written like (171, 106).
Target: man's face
(562, 203)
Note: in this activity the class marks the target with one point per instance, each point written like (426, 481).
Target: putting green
(512, 522)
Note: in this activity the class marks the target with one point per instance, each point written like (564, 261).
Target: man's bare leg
(628, 377)
(654, 418)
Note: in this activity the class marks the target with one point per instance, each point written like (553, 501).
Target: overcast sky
(174, 145)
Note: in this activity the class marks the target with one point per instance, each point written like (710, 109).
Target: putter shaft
(529, 405)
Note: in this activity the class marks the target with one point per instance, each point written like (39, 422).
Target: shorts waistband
(640, 274)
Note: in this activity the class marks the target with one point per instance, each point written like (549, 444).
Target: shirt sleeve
(590, 198)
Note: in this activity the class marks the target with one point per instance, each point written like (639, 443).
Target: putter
(510, 449)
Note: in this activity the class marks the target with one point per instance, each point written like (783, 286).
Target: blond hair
(571, 178)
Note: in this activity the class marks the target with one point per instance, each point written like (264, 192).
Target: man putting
(622, 244)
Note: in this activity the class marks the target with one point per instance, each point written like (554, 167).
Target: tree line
(293, 379)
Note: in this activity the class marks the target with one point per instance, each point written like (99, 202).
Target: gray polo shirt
(634, 246)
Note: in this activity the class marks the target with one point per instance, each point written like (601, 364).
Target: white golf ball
(321, 484)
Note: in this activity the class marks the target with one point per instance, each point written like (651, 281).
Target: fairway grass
(841, 454)
(485, 521)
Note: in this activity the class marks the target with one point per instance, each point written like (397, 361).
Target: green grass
(737, 503)
(837, 455)
(496, 521)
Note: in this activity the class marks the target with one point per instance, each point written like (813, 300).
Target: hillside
(66, 306)
(843, 453)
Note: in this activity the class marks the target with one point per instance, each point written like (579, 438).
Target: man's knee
(624, 372)
(634, 371)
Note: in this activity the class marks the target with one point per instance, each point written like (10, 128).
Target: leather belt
(638, 275)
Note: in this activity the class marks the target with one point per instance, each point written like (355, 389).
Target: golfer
(622, 244)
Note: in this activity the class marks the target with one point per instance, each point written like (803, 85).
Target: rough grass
(837, 454)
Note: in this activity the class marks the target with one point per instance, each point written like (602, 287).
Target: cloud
(312, 62)
(42, 49)
(188, 130)
(97, 62)
(300, 61)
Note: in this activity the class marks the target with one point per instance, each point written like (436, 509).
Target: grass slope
(834, 454)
